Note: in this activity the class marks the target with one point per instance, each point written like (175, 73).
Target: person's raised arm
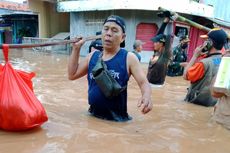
(163, 26)
(77, 69)
(145, 103)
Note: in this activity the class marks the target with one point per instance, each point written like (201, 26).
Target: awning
(5, 11)
(5, 28)
(10, 12)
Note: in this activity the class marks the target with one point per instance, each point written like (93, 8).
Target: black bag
(108, 85)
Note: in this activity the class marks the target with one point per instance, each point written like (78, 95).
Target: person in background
(158, 63)
(96, 44)
(120, 63)
(179, 58)
(201, 73)
(137, 48)
(222, 108)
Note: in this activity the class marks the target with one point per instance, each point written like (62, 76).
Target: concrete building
(30, 18)
(86, 18)
(9, 26)
(50, 21)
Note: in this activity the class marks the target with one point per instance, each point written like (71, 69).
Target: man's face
(139, 48)
(112, 35)
(158, 46)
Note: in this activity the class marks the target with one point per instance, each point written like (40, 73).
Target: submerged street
(173, 126)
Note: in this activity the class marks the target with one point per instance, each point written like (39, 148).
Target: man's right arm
(77, 69)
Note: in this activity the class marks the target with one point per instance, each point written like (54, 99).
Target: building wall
(38, 8)
(59, 22)
(221, 9)
(88, 23)
(50, 22)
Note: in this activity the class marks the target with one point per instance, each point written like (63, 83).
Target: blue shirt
(114, 108)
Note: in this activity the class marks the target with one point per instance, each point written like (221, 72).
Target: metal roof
(184, 6)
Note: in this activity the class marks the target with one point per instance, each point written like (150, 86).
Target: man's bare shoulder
(131, 55)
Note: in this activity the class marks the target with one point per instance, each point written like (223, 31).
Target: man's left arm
(134, 67)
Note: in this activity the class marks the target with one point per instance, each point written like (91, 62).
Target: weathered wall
(39, 8)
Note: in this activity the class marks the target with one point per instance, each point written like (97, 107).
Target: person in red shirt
(200, 73)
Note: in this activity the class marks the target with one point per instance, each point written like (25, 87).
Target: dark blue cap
(218, 36)
(159, 38)
(118, 20)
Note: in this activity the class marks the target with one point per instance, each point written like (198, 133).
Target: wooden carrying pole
(192, 23)
(50, 43)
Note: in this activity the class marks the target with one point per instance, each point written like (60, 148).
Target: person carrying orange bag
(19, 107)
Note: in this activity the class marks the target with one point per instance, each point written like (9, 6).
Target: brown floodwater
(173, 126)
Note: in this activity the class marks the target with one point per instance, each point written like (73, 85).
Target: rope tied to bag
(5, 50)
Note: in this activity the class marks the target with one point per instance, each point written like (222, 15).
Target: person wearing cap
(158, 63)
(179, 58)
(221, 112)
(137, 48)
(200, 73)
(95, 45)
(120, 63)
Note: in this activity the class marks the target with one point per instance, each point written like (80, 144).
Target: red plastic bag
(19, 107)
(1, 67)
(27, 77)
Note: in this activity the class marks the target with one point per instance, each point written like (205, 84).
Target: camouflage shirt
(179, 56)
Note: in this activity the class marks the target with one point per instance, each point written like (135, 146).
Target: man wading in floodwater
(158, 63)
(120, 64)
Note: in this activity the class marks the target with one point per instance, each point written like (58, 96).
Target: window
(181, 31)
